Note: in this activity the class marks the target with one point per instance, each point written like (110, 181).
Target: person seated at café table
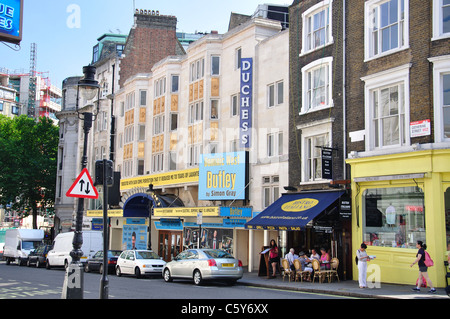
(324, 259)
(314, 255)
(291, 256)
(305, 262)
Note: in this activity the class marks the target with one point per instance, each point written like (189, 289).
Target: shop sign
(99, 213)
(327, 163)
(177, 177)
(245, 127)
(323, 229)
(11, 20)
(226, 223)
(222, 176)
(236, 211)
(169, 224)
(299, 205)
(345, 208)
(186, 211)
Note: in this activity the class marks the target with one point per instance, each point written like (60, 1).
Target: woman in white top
(363, 258)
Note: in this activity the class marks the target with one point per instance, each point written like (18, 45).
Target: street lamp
(73, 282)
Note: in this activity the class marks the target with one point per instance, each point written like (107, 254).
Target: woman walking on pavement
(422, 268)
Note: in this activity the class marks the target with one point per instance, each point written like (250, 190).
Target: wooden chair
(334, 269)
(317, 271)
(299, 272)
(287, 271)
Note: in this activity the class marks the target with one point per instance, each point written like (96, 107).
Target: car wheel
(118, 272)
(137, 272)
(198, 277)
(38, 264)
(28, 263)
(47, 264)
(166, 275)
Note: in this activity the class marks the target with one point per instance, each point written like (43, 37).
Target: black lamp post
(74, 281)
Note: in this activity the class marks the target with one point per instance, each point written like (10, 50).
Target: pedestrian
(273, 256)
(363, 258)
(420, 259)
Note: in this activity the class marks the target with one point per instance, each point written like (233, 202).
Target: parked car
(204, 264)
(139, 263)
(38, 256)
(96, 262)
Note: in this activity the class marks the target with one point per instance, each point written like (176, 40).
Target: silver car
(204, 264)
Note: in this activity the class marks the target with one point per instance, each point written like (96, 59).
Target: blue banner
(11, 20)
(246, 104)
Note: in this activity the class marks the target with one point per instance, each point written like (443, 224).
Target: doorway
(169, 244)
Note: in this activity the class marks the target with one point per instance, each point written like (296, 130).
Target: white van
(59, 255)
(20, 242)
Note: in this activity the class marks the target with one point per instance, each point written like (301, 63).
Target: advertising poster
(222, 176)
(134, 234)
(11, 20)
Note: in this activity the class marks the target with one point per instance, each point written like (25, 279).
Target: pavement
(348, 288)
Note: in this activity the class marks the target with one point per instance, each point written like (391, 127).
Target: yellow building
(398, 199)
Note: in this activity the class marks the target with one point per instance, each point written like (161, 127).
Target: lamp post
(73, 280)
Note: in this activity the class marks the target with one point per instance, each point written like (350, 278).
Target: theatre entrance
(169, 244)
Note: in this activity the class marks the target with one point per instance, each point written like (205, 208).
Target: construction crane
(32, 83)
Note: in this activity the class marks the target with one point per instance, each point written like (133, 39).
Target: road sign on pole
(83, 187)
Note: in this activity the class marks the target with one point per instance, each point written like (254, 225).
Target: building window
(196, 112)
(275, 93)
(172, 161)
(387, 108)
(393, 217)
(234, 105)
(317, 31)
(215, 65)
(160, 87)
(271, 190)
(317, 88)
(141, 167)
(194, 154)
(158, 125)
(143, 97)
(158, 163)
(275, 144)
(386, 26)
(129, 101)
(441, 19)
(197, 70)
(238, 58)
(175, 83)
(96, 54)
(441, 97)
(173, 121)
(214, 109)
(313, 156)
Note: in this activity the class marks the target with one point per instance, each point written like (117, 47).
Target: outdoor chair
(299, 272)
(287, 271)
(320, 274)
(334, 269)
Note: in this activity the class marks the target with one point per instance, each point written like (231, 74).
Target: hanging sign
(246, 103)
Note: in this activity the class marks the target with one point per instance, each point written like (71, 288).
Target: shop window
(393, 217)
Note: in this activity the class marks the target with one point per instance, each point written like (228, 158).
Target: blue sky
(65, 37)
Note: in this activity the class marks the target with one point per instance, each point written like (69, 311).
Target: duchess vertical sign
(245, 126)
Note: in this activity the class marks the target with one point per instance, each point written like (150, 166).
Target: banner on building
(223, 176)
(246, 103)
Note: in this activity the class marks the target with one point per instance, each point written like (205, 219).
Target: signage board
(83, 187)
(327, 163)
(11, 20)
(246, 103)
(420, 128)
(222, 176)
(170, 178)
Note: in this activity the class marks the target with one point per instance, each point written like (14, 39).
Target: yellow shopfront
(397, 200)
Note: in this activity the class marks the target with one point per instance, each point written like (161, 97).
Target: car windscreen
(30, 245)
(114, 253)
(146, 255)
(217, 253)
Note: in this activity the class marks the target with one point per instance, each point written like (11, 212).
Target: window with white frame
(158, 162)
(143, 97)
(317, 88)
(158, 124)
(215, 65)
(129, 101)
(441, 19)
(194, 154)
(317, 26)
(386, 27)
(387, 108)
(313, 169)
(196, 112)
(197, 70)
(173, 161)
(275, 144)
(175, 84)
(275, 92)
(214, 111)
(441, 97)
(271, 190)
(160, 87)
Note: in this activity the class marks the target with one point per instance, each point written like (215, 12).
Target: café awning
(292, 211)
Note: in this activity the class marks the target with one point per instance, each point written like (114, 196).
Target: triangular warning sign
(83, 186)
